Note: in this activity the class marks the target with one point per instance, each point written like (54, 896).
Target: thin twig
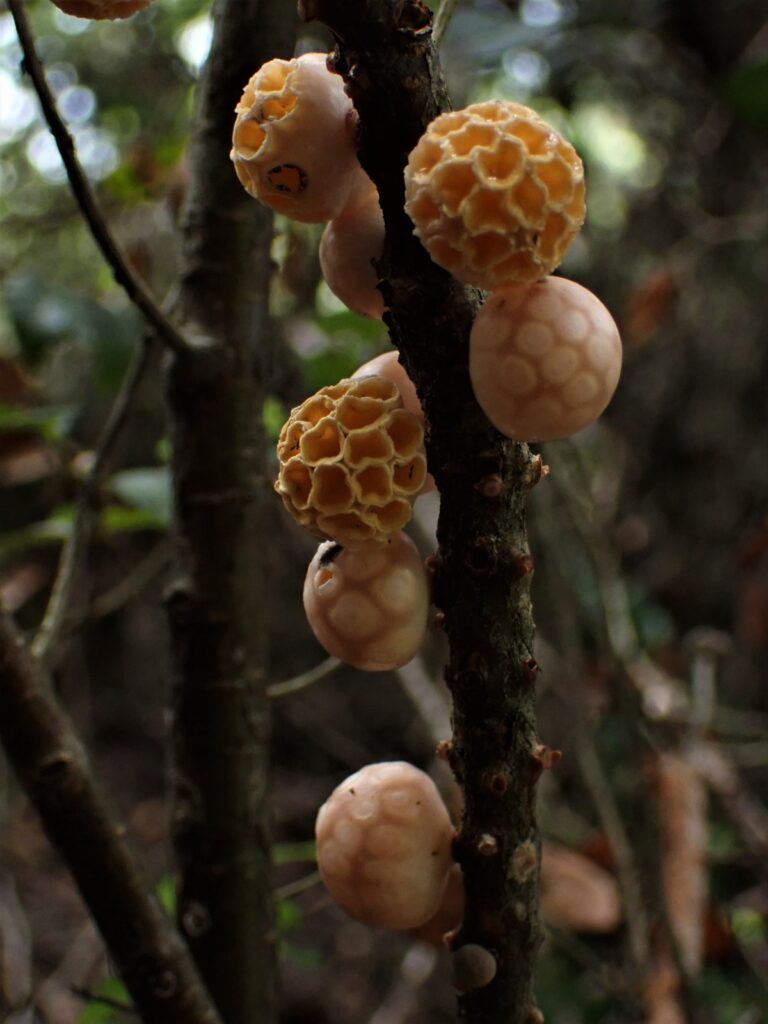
(442, 20)
(133, 286)
(285, 892)
(147, 569)
(58, 610)
(301, 682)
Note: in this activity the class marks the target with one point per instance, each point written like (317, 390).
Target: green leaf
(293, 853)
(117, 519)
(100, 1013)
(166, 893)
(147, 489)
(746, 92)
(274, 415)
(51, 422)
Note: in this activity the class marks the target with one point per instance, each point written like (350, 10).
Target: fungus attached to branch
(544, 359)
(495, 194)
(352, 462)
(293, 142)
(368, 606)
(384, 845)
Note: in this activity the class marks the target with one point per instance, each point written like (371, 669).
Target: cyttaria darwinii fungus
(99, 10)
(352, 462)
(388, 365)
(495, 194)
(350, 242)
(544, 359)
(368, 606)
(293, 141)
(384, 845)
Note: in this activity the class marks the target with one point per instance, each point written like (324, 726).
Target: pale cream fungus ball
(352, 462)
(293, 142)
(544, 359)
(368, 606)
(98, 10)
(384, 845)
(388, 365)
(348, 247)
(495, 194)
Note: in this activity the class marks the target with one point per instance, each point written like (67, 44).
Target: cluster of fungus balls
(496, 196)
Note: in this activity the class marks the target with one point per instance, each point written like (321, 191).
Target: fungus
(98, 10)
(384, 845)
(496, 195)
(293, 141)
(350, 244)
(388, 365)
(544, 359)
(352, 462)
(368, 606)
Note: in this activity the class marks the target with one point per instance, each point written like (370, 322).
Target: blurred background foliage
(650, 535)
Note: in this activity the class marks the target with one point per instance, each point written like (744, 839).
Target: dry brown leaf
(683, 817)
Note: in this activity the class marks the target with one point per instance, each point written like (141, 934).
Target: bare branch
(481, 582)
(133, 286)
(308, 678)
(53, 768)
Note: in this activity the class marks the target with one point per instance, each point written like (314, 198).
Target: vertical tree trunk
(217, 605)
(483, 567)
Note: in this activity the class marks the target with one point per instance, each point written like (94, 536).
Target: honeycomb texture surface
(348, 247)
(496, 195)
(293, 139)
(368, 606)
(544, 359)
(99, 10)
(384, 845)
(352, 462)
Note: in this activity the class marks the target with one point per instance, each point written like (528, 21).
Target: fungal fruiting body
(544, 359)
(352, 462)
(384, 845)
(388, 365)
(350, 243)
(99, 10)
(495, 194)
(293, 141)
(368, 606)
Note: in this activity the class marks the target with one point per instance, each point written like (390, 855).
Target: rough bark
(482, 569)
(53, 768)
(217, 605)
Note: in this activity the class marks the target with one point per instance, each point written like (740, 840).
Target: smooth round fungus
(544, 359)
(495, 194)
(368, 606)
(348, 247)
(293, 142)
(388, 365)
(384, 845)
(99, 10)
(352, 462)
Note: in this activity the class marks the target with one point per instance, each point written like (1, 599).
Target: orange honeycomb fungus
(387, 365)
(544, 359)
(350, 244)
(293, 142)
(384, 845)
(495, 194)
(368, 606)
(99, 10)
(352, 462)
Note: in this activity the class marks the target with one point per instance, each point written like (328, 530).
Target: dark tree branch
(53, 768)
(133, 286)
(217, 607)
(482, 569)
